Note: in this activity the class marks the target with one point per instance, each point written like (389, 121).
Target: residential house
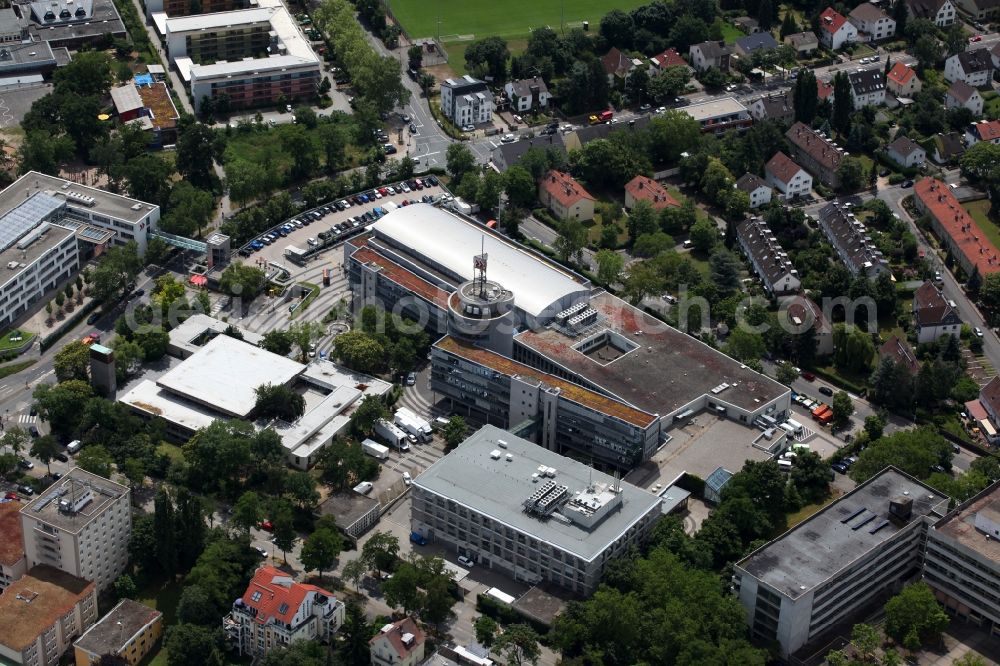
(955, 228)
(804, 43)
(276, 611)
(850, 240)
(867, 88)
(988, 130)
(618, 66)
(934, 315)
(948, 147)
(989, 401)
(129, 630)
(642, 188)
(566, 198)
(835, 30)
(749, 26)
(872, 22)
(995, 55)
(759, 41)
(770, 262)
(669, 58)
(902, 81)
(756, 189)
(814, 151)
(824, 90)
(527, 94)
(41, 613)
(720, 115)
(400, 643)
(906, 152)
(803, 314)
(466, 101)
(506, 155)
(779, 106)
(788, 177)
(13, 563)
(973, 67)
(710, 54)
(940, 12)
(900, 353)
(961, 94)
(980, 10)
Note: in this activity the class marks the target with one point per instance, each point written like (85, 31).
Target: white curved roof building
(448, 243)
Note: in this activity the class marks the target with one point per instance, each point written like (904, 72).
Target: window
(255, 596)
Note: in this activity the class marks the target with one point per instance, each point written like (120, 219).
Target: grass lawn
(7, 339)
(310, 297)
(980, 213)
(483, 18)
(14, 368)
(172, 451)
(731, 33)
(456, 52)
(163, 596)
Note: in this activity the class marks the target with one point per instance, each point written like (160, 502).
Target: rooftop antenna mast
(479, 266)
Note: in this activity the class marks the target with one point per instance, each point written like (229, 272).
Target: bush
(896, 178)
(692, 483)
(506, 615)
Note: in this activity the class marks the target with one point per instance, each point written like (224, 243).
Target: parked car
(11, 495)
(826, 390)
(406, 478)
(62, 457)
(978, 331)
(411, 379)
(26, 490)
(468, 128)
(267, 526)
(25, 464)
(465, 561)
(808, 376)
(261, 551)
(92, 319)
(839, 467)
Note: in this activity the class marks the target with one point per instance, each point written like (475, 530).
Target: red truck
(605, 116)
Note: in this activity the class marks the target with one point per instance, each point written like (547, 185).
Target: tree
(72, 362)
(368, 412)
(147, 178)
(454, 432)
(486, 630)
(804, 96)
(609, 266)
(765, 15)
(459, 160)
(668, 84)
(487, 58)
(927, 50)
(116, 273)
(915, 612)
(571, 240)
(196, 606)
(810, 476)
(900, 13)
(165, 532)
(402, 590)
(725, 272)
(843, 104)
(189, 644)
(59, 405)
(154, 341)
(874, 426)
(190, 209)
(744, 345)
(786, 373)
(128, 358)
(283, 520)
(520, 186)
(788, 26)
(359, 351)
(279, 401)
(354, 571)
(843, 407)
(518, 644)
(915, 452)
(704, 235)
(277, 342)
(641, 220)
(851, 173)
(248, 512)
(321, 549)
(194, 154)
(45, 449)
(380, 552)
(95, 459)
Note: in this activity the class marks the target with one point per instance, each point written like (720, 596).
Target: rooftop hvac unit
(495, 454)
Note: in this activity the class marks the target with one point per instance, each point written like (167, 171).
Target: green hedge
(505, 614)
(692, 483)
(67, 325)
(839, 381)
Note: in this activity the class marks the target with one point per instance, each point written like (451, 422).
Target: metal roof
(25, 217)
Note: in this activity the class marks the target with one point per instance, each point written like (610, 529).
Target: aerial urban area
(462, 333)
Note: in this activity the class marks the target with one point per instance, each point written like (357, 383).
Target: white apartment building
(81, 525)
(872, 22)
(42, 614)
(962, 560)
(537, 516)
(276, 611)
(818, 574)
(973, 67)
(787, 177)
(466, 101)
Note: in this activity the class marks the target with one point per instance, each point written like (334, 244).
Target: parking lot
(327, 217)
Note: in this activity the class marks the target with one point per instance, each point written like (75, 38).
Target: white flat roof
(714, 108)
(150, 399)
(224, 373)
(160, 21)
(205, 22)
(452, 242)
(184, 65)
(248, 66)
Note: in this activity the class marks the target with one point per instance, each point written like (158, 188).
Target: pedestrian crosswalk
(26, 418)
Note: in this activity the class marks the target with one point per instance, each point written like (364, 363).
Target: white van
(74, 446)
(364, 487)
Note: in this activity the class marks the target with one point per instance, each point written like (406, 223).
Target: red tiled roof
(563, 188)
(616, 62)
(835, 22)
(931, 308)
(899, 352)
(11, 537)
(976, 409)
(938, 200)
(901, 74)
(647, 189)
(277, 591)
(395, 636)
(988, 130)
(821, 150)
(669, 58)
(824, 89)
(403, 277)
(990, 395)
(783, 167)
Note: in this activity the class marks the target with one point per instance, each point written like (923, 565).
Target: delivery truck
(374, 449)
(392, 435)
(413, 424)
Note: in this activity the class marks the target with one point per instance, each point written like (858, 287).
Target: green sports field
(464, 20)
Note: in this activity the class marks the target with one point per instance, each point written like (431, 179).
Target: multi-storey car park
(536, 348)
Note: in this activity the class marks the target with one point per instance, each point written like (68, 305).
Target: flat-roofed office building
(848, 555)
(511, 505)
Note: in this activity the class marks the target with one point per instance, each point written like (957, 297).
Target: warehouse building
(536, 516)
